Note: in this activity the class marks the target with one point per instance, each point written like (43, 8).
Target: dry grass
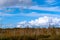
(30, 34)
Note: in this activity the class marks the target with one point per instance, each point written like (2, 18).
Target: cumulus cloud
(20, 24)
(23, 24)
(41, 22)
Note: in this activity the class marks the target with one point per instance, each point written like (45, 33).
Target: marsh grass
(29, 34)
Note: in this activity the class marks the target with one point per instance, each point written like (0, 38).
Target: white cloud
(22, 24)
(54, 9)
(50, 2)
(56, 20)
(23, 3)
(35, 14)
(46, 20)
(7, 25)
(32, 14)
(41, 22)
(2, 14)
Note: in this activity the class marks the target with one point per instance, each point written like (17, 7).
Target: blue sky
(15, 11)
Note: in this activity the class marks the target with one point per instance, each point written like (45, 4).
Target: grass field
(30, 34)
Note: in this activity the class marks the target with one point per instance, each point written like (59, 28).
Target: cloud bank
(7, 3)
(44, 21)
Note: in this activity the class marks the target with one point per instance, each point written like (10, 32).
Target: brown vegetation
(30, 34)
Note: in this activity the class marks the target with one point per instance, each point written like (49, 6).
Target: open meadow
(30, 34)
